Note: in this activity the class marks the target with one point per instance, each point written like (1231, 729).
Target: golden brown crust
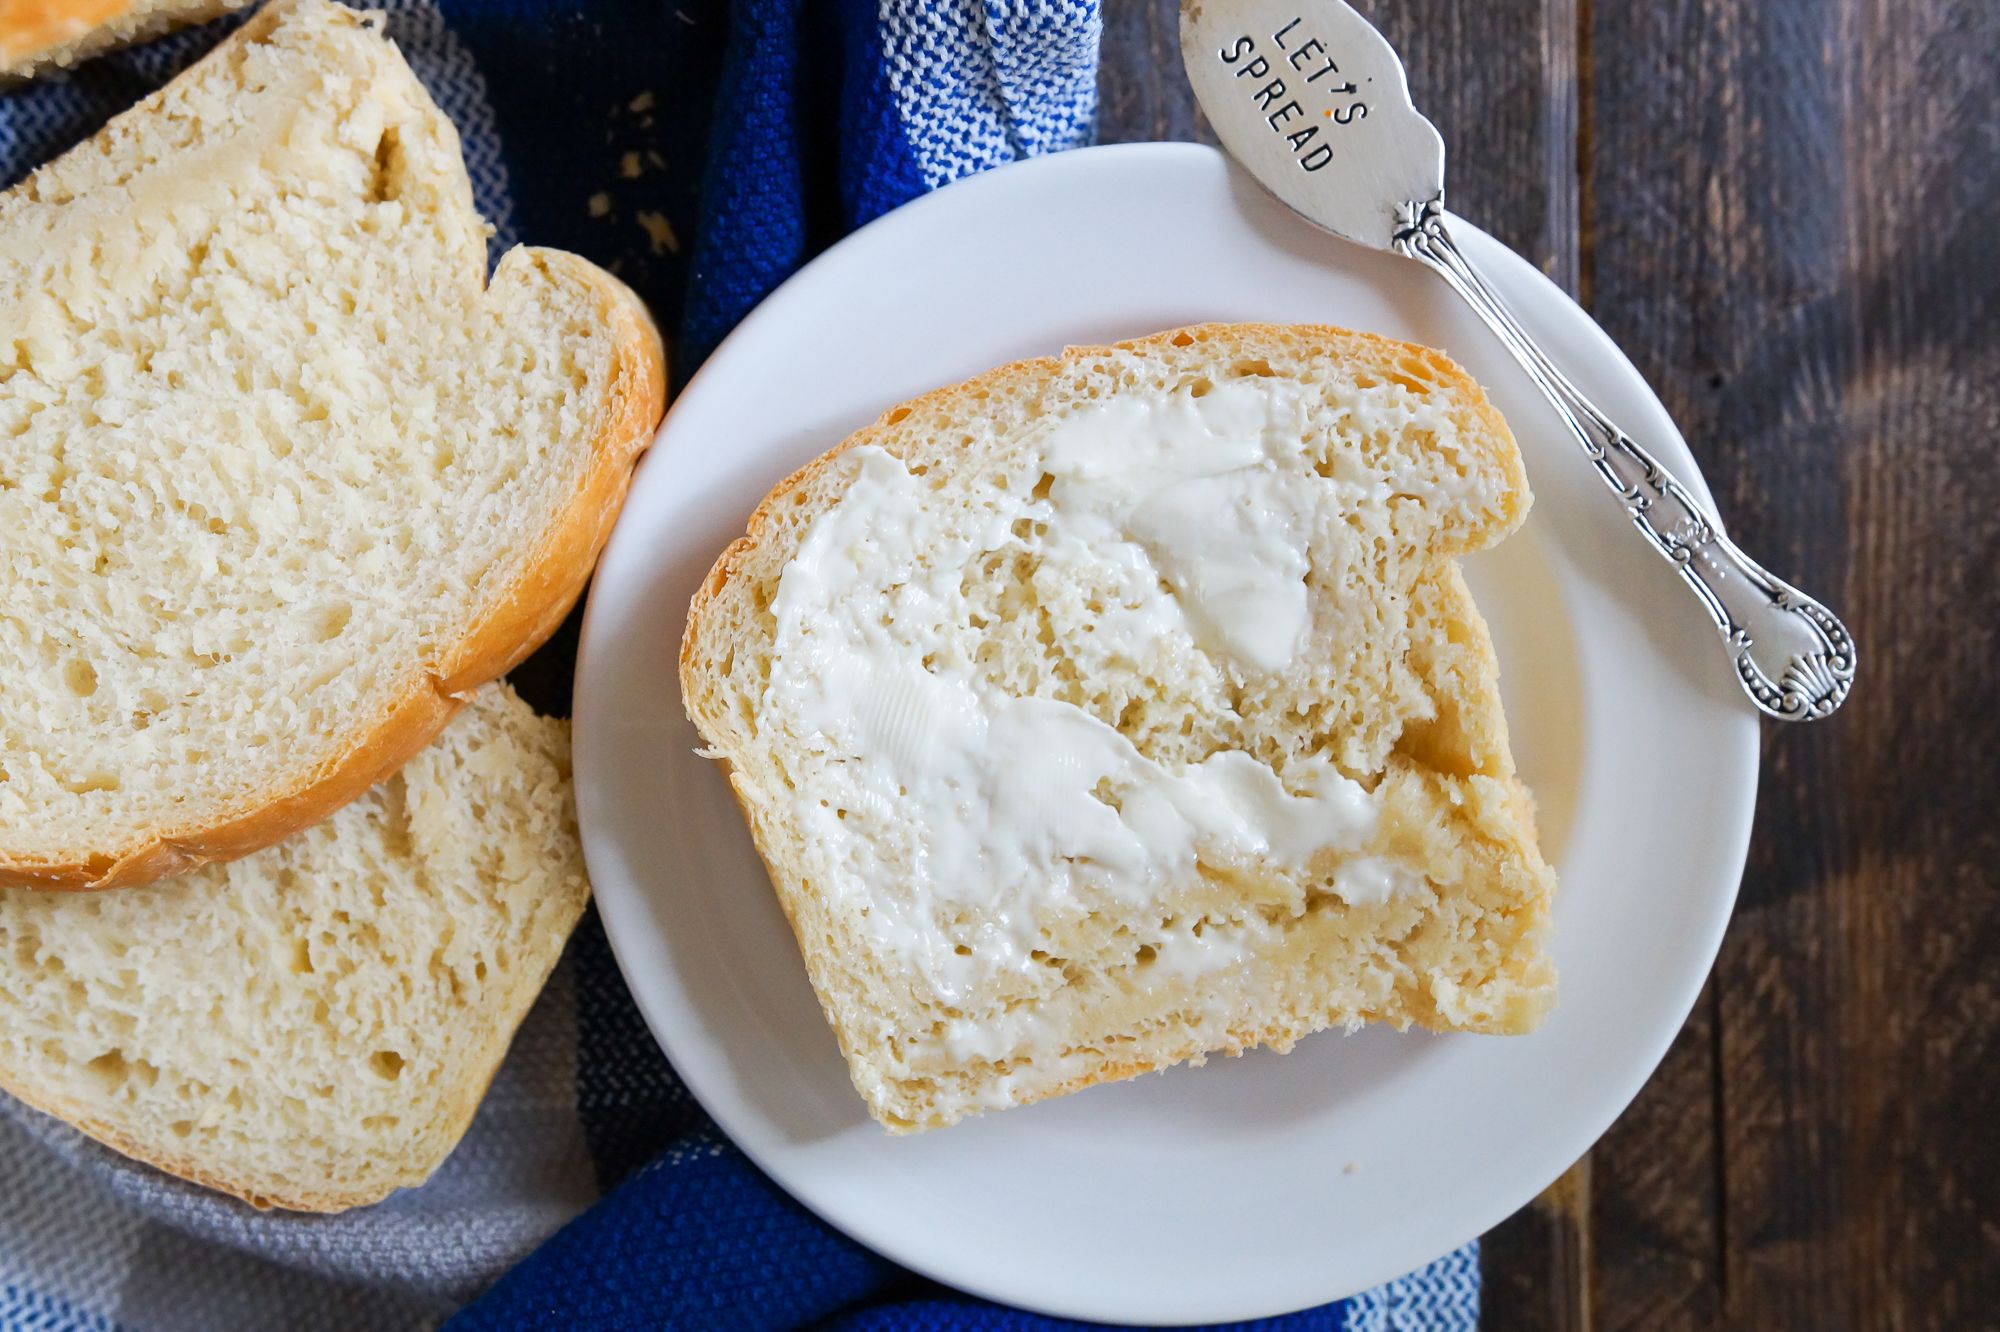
(1418, 367)
(1440, 367)
(635, 400)
(388, 746)
(333, 1200)
(521, 621)
(30, 28)
(36, 34)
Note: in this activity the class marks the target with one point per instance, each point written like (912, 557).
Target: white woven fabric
(90, 1241)
(978, 84)
(87, 1236)
(1439, 1298)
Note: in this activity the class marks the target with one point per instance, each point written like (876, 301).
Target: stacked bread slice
(285, 478)
(1110, 710)
(311, 1026)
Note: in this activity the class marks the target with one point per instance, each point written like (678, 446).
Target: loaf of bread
(1107, 711)
(286, 476)
(311, 1026)
(37, 35)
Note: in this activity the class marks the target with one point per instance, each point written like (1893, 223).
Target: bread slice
(284, 477)
(1107, 711)
(312, 1026)
(38, 35)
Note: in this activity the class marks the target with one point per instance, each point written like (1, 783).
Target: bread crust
(518, 623)
(1440, 366)
(39, 35)
(486, 1031)
(550, 580)
(722, 730)
(31, 30)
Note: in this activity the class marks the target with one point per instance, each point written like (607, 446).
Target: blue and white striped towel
(613, 128)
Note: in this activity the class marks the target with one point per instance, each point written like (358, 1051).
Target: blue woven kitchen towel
(703, 152)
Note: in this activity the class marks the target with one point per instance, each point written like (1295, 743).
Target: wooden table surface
(1785, 212)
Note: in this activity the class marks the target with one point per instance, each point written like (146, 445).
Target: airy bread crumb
(286, 477)
(1394, 682)
(312, 1026)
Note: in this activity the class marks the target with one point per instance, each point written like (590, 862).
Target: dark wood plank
(1789, 202)
(1537, 1266)
(1500, 79)
(1657, 1239)
(1142, 91)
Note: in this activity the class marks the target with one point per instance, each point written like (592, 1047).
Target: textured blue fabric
(959, 1314)
(753, 227)
(701, 1238)
(698, 1239)
(702, 151)
(923, 93)
(880, 170)
(23, 1310)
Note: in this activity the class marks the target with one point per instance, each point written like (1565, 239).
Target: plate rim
(627, 899)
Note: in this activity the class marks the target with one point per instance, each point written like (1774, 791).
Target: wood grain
(1657, 1256)
(1500, 78)
(1781, 210)
(1789, 203)
(1785, 212)
(1537, 1266)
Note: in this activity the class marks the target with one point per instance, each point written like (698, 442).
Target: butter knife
(1314, 103)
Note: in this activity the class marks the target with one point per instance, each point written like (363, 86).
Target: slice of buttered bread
(311, 1026)
(283, 476)
(38, 35)
(1107, 711)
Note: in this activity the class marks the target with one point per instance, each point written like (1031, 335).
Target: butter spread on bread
(1111, 710)
(285, 475)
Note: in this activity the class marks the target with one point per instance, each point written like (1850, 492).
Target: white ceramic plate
(1249, 1186)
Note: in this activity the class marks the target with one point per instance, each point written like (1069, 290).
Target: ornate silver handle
(1792, 655)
